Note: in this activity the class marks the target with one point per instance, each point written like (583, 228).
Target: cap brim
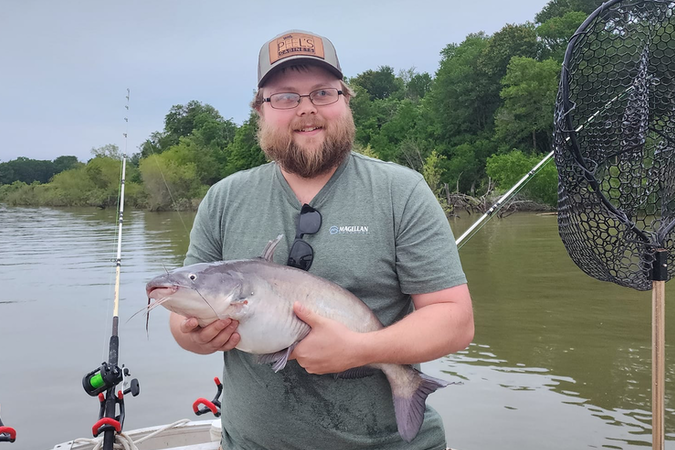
(300, 59)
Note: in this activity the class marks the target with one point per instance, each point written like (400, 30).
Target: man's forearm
(431, 331)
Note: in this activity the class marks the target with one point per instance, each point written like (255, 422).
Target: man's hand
(217, 336)
(328, 348)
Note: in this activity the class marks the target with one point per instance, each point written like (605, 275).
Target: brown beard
(278, 145)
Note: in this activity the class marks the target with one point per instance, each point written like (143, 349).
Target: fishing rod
(201, 405)
(109, 374)
(473, 229)
(7, 434)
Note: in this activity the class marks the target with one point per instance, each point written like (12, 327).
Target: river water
(559, 360)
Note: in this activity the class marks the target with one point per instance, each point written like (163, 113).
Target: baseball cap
(293, 47)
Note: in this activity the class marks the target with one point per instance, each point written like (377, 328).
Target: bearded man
(377, 231)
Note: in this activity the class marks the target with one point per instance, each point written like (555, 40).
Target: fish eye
(192, 276)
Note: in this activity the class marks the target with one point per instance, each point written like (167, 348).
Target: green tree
(418, 86)
(363, 112)
(400, 127)
(433, 174)
(182, 121)
(95, 184)
(108, 151)
(466, 164)
(507, 169)
(244, 151)
(526, 118)
(26, 170)
(379, 84)
(510, 41)
(460, 99)
(558, 8)
(63, 163)
(556, 32)
(156, 144)
(168, 182)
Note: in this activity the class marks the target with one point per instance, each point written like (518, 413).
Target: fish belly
(270, 325)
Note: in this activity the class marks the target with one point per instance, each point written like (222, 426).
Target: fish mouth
(157, 292)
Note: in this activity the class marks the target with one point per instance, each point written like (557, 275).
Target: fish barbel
(259, 294)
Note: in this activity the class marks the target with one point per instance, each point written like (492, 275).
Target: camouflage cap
(296, 46)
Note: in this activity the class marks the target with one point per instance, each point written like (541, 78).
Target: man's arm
(205, 246)
(442, 323)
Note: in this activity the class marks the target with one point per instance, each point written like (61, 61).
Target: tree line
(483, 120)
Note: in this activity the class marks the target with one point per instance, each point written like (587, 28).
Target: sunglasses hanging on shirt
(301, 254)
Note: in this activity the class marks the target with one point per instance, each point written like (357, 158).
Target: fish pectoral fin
(278, 359)
(356, 372)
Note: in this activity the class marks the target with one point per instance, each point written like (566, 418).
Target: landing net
(614, 142)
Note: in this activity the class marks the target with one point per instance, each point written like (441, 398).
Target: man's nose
(305, 107)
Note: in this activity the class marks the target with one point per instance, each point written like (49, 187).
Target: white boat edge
(181, 435)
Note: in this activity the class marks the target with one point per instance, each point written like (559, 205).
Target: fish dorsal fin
(268, 252)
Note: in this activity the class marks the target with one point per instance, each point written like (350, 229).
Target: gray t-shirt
(383, 237)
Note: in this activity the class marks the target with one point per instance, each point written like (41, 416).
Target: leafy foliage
(507, 169)
(555, 33)
(29, 170)
(460, 127)
(169, 182)
(525, 119)
(93, 184)
(558, 8)
(244, 152)
(379, 84)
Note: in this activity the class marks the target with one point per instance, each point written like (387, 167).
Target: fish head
(204, 291)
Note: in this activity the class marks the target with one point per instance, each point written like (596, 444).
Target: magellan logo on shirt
(349, 229)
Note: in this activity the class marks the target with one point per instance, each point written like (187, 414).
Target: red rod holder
(7, 432)
(97, 428)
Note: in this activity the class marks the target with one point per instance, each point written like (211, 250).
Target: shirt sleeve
(205, 237)
(427, 259)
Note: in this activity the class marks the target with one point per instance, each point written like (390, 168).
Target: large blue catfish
(260, 295)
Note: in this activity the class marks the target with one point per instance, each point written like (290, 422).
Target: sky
(66, 65)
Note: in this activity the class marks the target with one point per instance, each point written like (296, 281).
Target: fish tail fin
(410, 389)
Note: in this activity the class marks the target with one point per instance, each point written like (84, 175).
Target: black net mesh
(615, 141)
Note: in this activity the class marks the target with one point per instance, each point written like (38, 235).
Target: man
(379, 232)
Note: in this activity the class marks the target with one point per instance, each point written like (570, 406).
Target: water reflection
(559, 360)
(544, 325)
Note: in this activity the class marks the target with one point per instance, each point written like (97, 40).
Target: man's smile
(308, 130)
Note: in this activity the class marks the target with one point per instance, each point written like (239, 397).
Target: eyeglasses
(289, 100)
(302, 254)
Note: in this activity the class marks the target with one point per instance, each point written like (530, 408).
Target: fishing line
(173, 201)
